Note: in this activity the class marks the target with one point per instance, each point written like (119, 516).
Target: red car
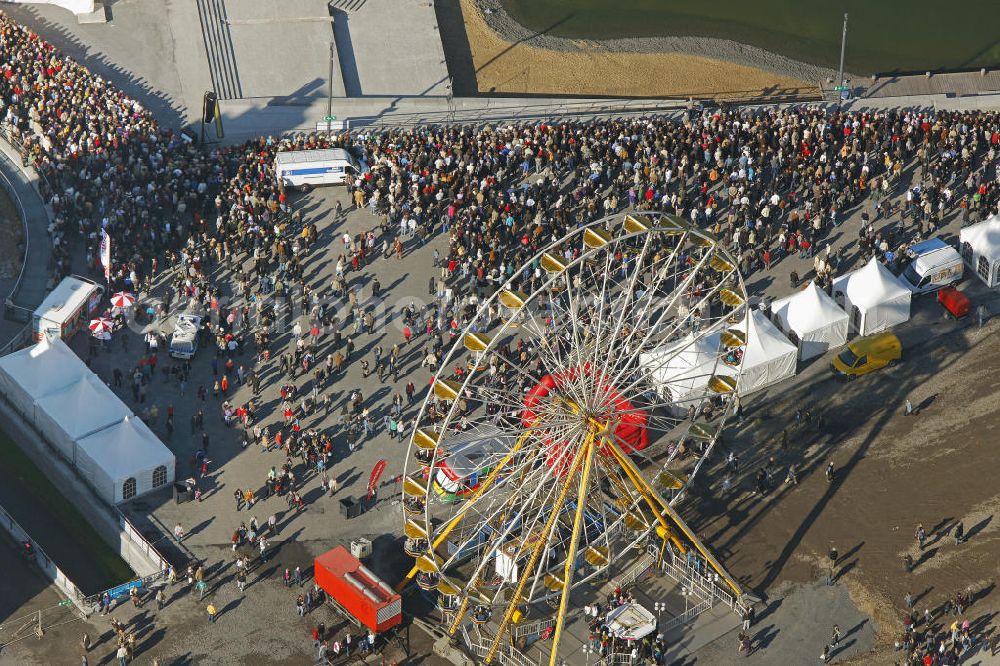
(955, 302)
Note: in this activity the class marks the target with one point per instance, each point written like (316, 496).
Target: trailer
(357, 589)
(67, 309)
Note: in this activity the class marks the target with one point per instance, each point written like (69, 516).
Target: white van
(934, 264)
(305, 168)
(184, 339)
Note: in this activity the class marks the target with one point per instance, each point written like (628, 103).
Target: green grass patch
(883, 36)
(52, 505)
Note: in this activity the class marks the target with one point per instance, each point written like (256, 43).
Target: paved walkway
(34, 282)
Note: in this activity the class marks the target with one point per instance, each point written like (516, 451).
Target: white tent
(873, 297)
(77, 410)
(125, 460)
(814, 318)
(29, 374)
(768, 356)
(980, 248)
(682, 370)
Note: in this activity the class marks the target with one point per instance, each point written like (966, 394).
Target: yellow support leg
(650, 493)
(574, 542)
(533, 559)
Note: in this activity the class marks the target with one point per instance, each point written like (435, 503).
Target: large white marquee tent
(814, 318)
(35, 371)
(980, 248)
(73, 410)
(65, 415)
(873, 297)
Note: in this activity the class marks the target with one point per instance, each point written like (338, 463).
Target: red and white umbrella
(100, 325)
(123, 299)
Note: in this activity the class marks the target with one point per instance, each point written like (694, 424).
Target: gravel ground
(492, 14)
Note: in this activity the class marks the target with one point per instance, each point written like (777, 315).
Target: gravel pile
(497, 18)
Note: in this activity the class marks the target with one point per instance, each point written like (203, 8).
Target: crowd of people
(211, 228)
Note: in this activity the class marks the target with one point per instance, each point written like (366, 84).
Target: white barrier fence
(44, 563)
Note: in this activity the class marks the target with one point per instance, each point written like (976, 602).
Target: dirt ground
(11, 237)
(503, 67)
(893, 472)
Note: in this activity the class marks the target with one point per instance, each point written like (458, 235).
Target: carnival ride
(598, 380)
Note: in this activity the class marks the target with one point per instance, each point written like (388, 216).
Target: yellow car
(867, 354)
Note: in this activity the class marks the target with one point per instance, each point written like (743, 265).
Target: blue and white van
(307, 168)
(934, 264)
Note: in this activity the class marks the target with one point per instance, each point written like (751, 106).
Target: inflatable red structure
(630, 433)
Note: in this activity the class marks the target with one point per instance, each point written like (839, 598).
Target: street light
(588, 650)
(686, 593)
(659, 607)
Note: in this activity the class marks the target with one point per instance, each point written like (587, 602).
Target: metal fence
(43, 561)
(21, 339)
(136, 537)
(9, 186)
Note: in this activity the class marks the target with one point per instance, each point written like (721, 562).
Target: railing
(139, 540)
(20, 339)
(9, 186)
(682, 572)
(44, 562)
(685, 617)
(533, 628)
(633, 574)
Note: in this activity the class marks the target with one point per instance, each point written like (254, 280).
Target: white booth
(768, 356)
(124, 460)
(979, 245)
(813, 318)
(873, 298)
(681, 371)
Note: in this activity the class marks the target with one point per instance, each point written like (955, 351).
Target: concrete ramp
(270, 49)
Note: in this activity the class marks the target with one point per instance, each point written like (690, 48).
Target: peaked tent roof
(126, 449)
(808, 310)
(764, 341)
(83, 407)
(871, 285)
(983, 237)
(43, 368)
(686, 365)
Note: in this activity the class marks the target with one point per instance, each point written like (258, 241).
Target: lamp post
(659, 607)
(686, 593)
(588, 650)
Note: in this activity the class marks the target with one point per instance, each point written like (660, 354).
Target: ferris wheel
(570, 415)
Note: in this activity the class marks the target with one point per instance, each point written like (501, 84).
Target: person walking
(920, 535)
(122, 656)
(825, 655)
(959, 533)
(211, 610)
(835, 638)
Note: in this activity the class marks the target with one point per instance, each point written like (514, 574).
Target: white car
(184, 339)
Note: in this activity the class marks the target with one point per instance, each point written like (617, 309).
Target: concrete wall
(44, 562)
(75, 6)
(109, 523)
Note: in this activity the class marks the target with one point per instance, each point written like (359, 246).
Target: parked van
(934, 264)
(867, 354)
(184, 339)
(306, 168)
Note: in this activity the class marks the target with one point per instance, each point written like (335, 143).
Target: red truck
(358, 590)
